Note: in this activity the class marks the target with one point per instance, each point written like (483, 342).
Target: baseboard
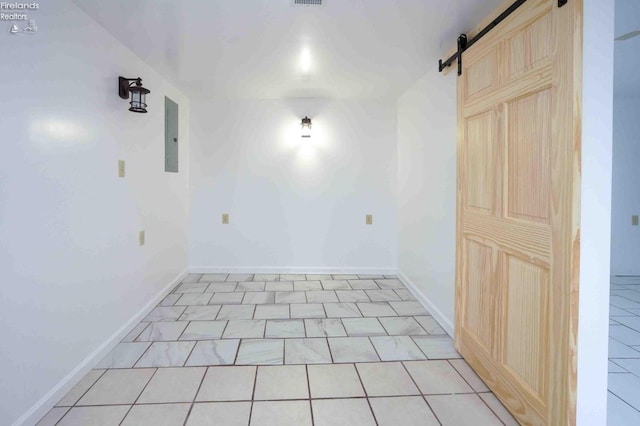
(42, 407)
(444, 322)
(291, 270)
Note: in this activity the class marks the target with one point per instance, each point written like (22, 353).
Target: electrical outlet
(120, 168)
(225, 218)
(141, 238)
(634, 220)
(369, 219)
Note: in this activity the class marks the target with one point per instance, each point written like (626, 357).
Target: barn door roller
(464, 44)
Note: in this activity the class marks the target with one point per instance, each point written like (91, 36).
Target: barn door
(518, 209)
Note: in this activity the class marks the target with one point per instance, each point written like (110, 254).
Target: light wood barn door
(518, 210)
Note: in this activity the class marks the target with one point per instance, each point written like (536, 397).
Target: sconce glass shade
(306, 127)
(133, 87)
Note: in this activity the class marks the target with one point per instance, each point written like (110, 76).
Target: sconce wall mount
(306, 127)
(133, 87)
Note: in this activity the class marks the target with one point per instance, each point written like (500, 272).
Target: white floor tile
(402, 326)
(80, 388)
(165, 313)
(271, 312)
(290, 297)
(342, 310)
(234, 298)
(359, 327)
(437, 347)
(306, 285)
(244, 329)
(281, 382)
(172, 385)
(259, 298)
(235, 312)
(631, 322)
(334, 381)
(377, 309)
(462, 410)
(624, 334)
(620, 350)
(124, 355)
(386, 379)
(430, 325)
(382, 295)
(405, 411)
(118, 387)
(95, 416)
(157, 415)
(284, 328)
(53, 416)
(409, 308)
(200, 313)
(342, 412)
(625, 386)
(220, 413)
(251, 286)
(352, 349)
(281, 413)
(162, 331)
(166, 354)
(396, 348)
(203, 330)
(238, 384)
(324, 328)
(306, 351)
(261, 352)
(193, 299)
(307, 310)
(437, 377)
(469, 375)
(321, 296)
(352, 296)
(363, 285)
(619, 413)
(335, 285)
(497, 407)
(214, 352)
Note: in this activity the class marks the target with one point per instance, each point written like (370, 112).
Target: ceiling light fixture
(305, 61)
(306, 127)
(138, 93)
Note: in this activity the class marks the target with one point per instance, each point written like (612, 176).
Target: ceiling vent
(308, 2)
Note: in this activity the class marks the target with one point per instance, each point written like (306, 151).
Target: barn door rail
(464, 44)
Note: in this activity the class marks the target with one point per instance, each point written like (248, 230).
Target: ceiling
(252, 48)
(627, 52)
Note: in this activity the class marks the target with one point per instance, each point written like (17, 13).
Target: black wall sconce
(306, 127)
(138, 93)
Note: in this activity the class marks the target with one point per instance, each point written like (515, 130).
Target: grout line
(139, 395)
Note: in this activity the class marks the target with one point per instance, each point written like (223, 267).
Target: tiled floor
(283, 350)
(624, 352)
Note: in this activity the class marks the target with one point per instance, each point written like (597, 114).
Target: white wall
(293, 204)
(595, 220)
(72, 271)
(427, 191)
(625, 238)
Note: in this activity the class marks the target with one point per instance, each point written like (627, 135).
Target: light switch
(225, 218)
(120, 168)
(141, 238)
(369, 219)
(634, 220)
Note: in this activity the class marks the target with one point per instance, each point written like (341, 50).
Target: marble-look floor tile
(306, 285)
(409, 308)
(212, 278)
(191, 288)
(615, 368)
(307, 310)
(340, 412)
(135, 332)
(352, 349)
(625, 386)
(165, 313)
(335, 285)
(281, 413)
(430, 325)
(170, 300)
(402, 326)
(290, 297)
(53, 416)
(118, 387)
(496, 406)
(631, 322)
(619, 413)
(166, 354)
(377, 309)
(191, 278)
(342, 310)
(386, 379)
(261, 352)
(321, 296)
(390, 283)
(334, 381)
(157, 415)
(437, 347)
(284, 328)
(162, 331)
(172, 385)
(318, 277)
(306, 351)
(359, 327)
(221, 288)
(370, 276)
(227, 298)
(363, 285)
(220, 413)
(251, 286)
(396, 348)
(200, 313)
(244, 329)
(124, 355)
(271, 312)
(437, 377)
(293, 277)
(279, 286)
(462, 410)
(266, 277)
(341, 277)
(281, 382)
(238, 384)
(95, 416)
(404, 294)
(240, 277)
(203, 330)
(405, 411)
(469, 375)
(80, 388)
(324, 328)
(193, 299)
(234, 312)
(620, 350)
(259, 298)
(214, 352)
(352, 296)
(382, 295)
